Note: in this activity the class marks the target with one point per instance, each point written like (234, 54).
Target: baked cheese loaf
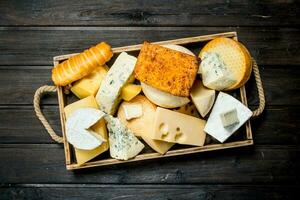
(166, 69)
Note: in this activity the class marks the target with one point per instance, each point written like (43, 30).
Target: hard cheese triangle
(123, 145)
(214, 125)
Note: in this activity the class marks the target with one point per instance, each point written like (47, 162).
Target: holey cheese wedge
(108, 96)
(77, 128)
(225, 65)
(123, 145)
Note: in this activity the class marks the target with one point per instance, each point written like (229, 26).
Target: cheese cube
(214, 125)
(90, 84)
(129, 91)
(202, 97)
(172, 126)
(229, 117)
(133, 111)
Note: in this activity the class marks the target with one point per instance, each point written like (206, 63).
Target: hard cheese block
(129, 91)
(172, 126)
(214, 125)
(202, 97)
(90, 84)
(83, 156)
(108, 96)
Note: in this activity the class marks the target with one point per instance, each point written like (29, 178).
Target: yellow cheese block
(142, 126)
(172, 126)
(129, 91)
(235, 56)
(188, 109)
(90, 84)
(82, 156)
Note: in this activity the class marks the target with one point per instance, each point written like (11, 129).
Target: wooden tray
(245, 131)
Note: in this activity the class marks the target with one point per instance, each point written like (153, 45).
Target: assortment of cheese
(163, 97)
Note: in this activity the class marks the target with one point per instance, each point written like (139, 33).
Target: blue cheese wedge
(214, 125)
(123, 145)
(215, 74)
(108, 95)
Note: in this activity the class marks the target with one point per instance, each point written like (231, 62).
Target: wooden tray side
(147, 156)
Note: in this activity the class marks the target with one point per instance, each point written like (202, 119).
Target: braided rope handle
(36, 103)
(260, 90)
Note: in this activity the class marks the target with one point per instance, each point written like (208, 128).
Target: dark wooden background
(32, 165)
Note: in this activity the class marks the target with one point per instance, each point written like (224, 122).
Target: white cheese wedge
(163, 99)
(214, 125)
(108, 95)
(77, 128)
(229, 117)
(202, 97)
(123, 145)
(215, 74)
(133, 111)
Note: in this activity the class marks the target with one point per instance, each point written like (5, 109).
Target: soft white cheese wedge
(108, 95)
(77, 128)
(215, 74)
(123, 145)
(214, 125)
(133, 111)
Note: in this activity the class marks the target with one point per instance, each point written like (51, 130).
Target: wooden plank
(147, 192)
(151, 13)
(28, 46)
(18, 84)
(278, 125)
(260, 164)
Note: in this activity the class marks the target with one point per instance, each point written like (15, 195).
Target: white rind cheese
(123, 145)
(108, 96)
(214, 125)
(215, 74)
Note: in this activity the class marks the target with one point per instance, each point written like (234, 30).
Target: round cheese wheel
(235, 56)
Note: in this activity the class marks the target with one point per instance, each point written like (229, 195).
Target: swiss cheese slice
(235, 57)
(172, 126)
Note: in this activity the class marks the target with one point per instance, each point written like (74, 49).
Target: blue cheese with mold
(108, 95)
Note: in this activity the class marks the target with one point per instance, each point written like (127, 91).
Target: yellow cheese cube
(82, 156)
(129, 91)
(90, 84)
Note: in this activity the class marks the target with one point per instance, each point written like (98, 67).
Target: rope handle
(36, 103)
(260, 90)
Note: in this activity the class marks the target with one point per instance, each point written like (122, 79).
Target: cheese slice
(123, 145)
(142, 126)
(83, 156)
(171, 126)
(129, 91)
(90, 84)
(133, 111)
(108, 96)
(214, 126)
(202, 97)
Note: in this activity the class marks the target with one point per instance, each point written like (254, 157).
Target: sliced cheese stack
(225, 64)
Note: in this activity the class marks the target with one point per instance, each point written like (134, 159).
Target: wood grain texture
(44, 163)
(147, 192)
(29, 46)
(149, 13)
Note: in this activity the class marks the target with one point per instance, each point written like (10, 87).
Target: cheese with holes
(188, 109)
(202, 97)
(90, 84)
(214, 125)
(133, 111)
(129, 91)
(172, 126)
(108, 96)
(83, 156)
(123, 145)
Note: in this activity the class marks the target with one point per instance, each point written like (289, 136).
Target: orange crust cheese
(166, 69)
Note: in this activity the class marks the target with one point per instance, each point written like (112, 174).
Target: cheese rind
(108, 96)
(202, 97)
(123, 145)
(172, 126)
(214, 126)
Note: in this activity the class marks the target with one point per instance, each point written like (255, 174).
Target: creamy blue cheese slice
(108, 95)
(123, 145)
(214, 125)
(215, 74)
